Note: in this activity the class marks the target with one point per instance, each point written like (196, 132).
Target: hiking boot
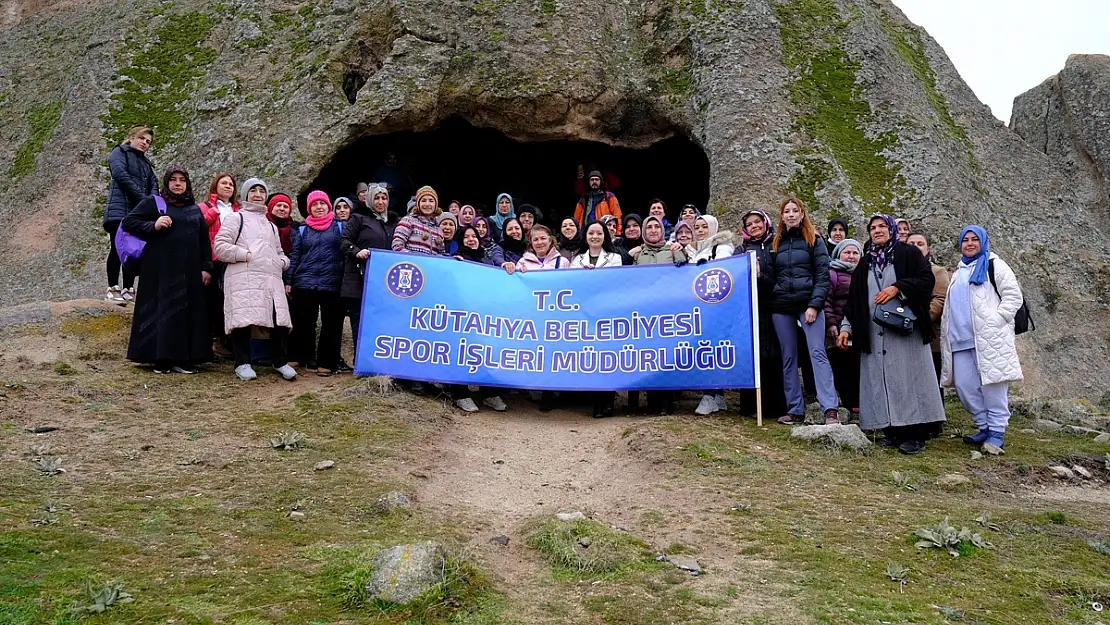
(977, 439)
(220, 350)
(707, 405)
(246, 372)
(832, 416)
(311, 366)
(547, 401)
(113, 294)
(322, 372)
(343, 367)
(792, 419)
(186, 369)
(287, 372)
(722, 405)
(467, 405)
(496, 403)
(418, 388)
(994, 442)
(912, 447)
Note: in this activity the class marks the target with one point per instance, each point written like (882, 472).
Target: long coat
(992, 320)
(254, 294)
(170, 323)
(363, 231)
(133, 180)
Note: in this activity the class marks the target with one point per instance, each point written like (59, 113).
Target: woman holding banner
(542, 252)
(711, 243)
(512, 247)
(598, 252)
(368, 228)
(759, 234)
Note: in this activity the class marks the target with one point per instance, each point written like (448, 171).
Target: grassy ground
(171, 488)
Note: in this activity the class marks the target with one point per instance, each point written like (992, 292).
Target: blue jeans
(786, 331)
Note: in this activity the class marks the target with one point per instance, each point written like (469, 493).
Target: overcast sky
(1003, 48)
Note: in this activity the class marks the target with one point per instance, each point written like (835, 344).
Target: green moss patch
(834, 110)
(43, 120)
(157, 76)
(586, 549)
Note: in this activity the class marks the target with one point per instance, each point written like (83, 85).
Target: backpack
(1023, 319)
(130, 247)
(300, 230)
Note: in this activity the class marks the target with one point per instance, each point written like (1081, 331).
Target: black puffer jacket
(133, 181)
(362, 231)
(765, 283)
(801, 274)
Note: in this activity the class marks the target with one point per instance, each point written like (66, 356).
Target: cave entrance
(474, 165)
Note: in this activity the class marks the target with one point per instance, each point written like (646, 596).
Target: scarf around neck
(981, 272)
(177, 199)
(882, 255)
(320, 223)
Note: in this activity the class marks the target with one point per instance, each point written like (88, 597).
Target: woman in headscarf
(611, 222)
(689, 213)
(512, 247)
(503, 209)
(529, 216)
(630, 240)
(343, 208)
(892, 396)
(801, 270)
(759, 233)
(977, 337)
(684, 239)
(844, 363)
(903, 230)
(711, 244)
(418, 231)
(170, 328)
(570, 239)
(368, 228)
(315, 276)
(656, 251)
(467, 215)
(254, 294)
(837, 231)
(485, 233)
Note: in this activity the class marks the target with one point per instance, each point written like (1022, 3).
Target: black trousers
(845, 367)
(214, 300)
(114, 266)
(306, 307)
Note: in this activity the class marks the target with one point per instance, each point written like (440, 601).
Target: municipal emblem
(404, 280)
(713, 286)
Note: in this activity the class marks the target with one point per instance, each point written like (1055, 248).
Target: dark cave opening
(474, 165)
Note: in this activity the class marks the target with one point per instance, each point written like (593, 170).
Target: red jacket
(212, 218)
(608, 206)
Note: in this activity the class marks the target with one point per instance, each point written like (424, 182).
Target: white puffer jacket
(720, 245)
(992, 319)
(605, 259)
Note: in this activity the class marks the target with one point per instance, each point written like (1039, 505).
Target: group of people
(860, 321)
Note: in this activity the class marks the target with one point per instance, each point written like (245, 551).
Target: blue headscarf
(981, 272)
(497, 218)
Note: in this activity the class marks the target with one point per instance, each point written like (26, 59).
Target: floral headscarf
(768, 227)
(882, 255)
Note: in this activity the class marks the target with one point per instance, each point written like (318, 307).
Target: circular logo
(713, 286)
(404, 280)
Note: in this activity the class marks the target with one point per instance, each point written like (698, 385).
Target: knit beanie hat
(448, 216)
(360, 187)
(595, 174)
(317, 195)
(421, 192)
(278, 197)
(537, 214)
(250, 184)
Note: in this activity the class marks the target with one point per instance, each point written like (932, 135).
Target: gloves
(680, 262)
(702, 261)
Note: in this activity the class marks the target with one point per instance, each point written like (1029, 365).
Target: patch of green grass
(64, 368)
(548, 7)
(834, 111)
(156, 81)
(588, 549)
(1058, 518)
(43, 120)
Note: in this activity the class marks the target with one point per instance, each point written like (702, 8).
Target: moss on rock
(156, 80)
(43, 119)
(834, 109)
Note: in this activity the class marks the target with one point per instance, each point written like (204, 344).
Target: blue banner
(649, 327)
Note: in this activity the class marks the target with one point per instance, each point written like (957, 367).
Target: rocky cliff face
(843, 102)
(1067, 117)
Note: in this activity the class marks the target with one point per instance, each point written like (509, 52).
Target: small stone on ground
(976, 455)
(1081, 471)
(953, 480)
(842, 435)
(324, 465)
(686, 563)
(296, 515)
(393, 500)
(570, 516)
(1062, 472)
(403, 573)
(1047, 425)
(500, 540)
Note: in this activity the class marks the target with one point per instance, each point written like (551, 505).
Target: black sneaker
(163, 369)
(343, 367)
(912, 447)
(417, 388)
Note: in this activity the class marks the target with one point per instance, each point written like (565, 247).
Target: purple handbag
(130, 247)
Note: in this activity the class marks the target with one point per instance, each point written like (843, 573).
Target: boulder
(841, 435)
(1103, 438)
(570, 517)
(954, 480)
(1047, 425)
(402, 574)
(1062, 472)
(392, 501)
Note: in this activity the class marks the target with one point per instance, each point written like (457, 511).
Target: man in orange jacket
(597, 203)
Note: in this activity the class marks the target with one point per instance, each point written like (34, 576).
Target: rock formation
(843, 102)
(1068, 118)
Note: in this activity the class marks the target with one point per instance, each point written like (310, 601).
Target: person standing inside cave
(581, 184)
(596, 202)
(170, 328)
(369, 228)
(360, 195)
(658, 208)
(503, 212)
(133, 181)
(396, 178)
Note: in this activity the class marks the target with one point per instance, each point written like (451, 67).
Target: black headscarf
(476, 254)
(510, 244)
(174, 199)
(626, 241)
(572, 243)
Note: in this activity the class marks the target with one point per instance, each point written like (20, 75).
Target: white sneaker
(128, 295)
(287, 372)
(708, 405)
(495, 403)
(113, 294)
(467, 405)
(721, 403)
(245, 372)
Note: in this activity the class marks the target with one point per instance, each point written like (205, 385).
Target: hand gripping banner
(650, 327)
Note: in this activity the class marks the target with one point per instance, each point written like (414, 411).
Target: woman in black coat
(367, 229)
(170, 324)
(133, 181)
(758, 232)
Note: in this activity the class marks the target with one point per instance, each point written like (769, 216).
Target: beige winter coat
(253, 291)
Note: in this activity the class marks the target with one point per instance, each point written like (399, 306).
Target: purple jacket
(837, 300)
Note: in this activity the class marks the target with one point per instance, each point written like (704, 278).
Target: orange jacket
(608, 206)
